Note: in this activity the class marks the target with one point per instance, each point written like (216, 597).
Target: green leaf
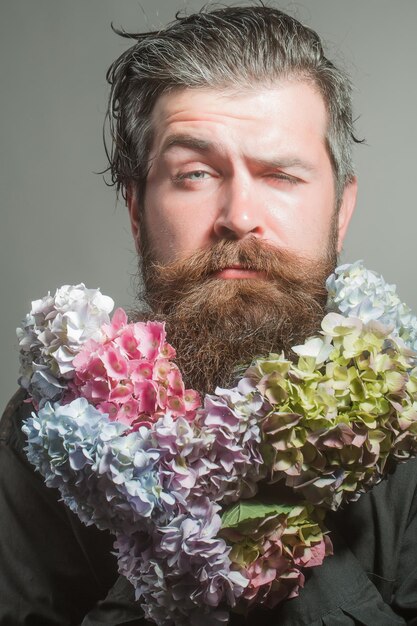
(252, 510)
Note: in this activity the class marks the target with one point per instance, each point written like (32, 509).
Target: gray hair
(231, 47)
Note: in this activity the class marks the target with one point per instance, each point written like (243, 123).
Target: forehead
(289, 112)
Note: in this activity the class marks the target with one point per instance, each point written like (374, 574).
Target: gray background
(61, 224)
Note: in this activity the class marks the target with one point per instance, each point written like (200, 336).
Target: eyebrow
(187, 141)
(202, 145)
(286, 162)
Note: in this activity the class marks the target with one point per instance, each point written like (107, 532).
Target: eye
(191, 179)
(195, 175)
(283, 177)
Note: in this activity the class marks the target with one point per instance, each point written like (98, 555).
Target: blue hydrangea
(105, 476)
(358, 292)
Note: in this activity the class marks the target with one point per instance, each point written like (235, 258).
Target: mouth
(239, 272)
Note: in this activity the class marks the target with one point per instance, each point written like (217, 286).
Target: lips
(237, 271)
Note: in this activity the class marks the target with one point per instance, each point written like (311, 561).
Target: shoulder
(387, 505)
(17, 410)
(377, 526)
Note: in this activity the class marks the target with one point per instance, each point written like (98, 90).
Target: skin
(229, 165)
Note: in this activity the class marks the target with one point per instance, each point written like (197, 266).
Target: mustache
(250, 254)
(280, 266)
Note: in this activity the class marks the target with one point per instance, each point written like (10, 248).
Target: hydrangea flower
(336, 424)
(128, 374)
(358, 292)
(270, 544)
(94, 462)
(183, 572)
(216, 456)
(53, 333)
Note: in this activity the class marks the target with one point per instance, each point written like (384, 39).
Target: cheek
(173, 228)
(303, 223)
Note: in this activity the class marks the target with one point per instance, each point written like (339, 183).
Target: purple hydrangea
(181, 571)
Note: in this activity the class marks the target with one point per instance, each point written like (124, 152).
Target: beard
(218, 326)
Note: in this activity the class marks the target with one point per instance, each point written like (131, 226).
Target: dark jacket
(55, 571)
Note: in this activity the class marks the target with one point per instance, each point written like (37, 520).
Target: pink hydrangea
(272, 575)
(273, 562)
(130, 376)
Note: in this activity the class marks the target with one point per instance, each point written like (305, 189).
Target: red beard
(217, 324)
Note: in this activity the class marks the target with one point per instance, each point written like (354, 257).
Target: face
(238, 224)
(229, 166)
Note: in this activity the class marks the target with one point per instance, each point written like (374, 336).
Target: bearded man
(232, 137)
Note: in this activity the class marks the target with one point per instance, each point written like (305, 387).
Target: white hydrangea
(53, 333)
(358, 292)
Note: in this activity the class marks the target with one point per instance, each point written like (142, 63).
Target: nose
(240, 212)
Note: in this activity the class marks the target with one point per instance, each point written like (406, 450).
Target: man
(232, 140)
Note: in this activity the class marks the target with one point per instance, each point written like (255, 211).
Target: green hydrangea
(341, 413)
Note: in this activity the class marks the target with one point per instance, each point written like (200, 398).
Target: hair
(225, 48)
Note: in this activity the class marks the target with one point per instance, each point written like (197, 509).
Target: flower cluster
(196, 493)
(52, 334)
(270, 544)
(358, 292)
(184, 571)
(128, 373)
(339, 416)
(76, 449)
(216, 456)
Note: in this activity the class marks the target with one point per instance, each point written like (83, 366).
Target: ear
(347, 206)
(133, 207)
